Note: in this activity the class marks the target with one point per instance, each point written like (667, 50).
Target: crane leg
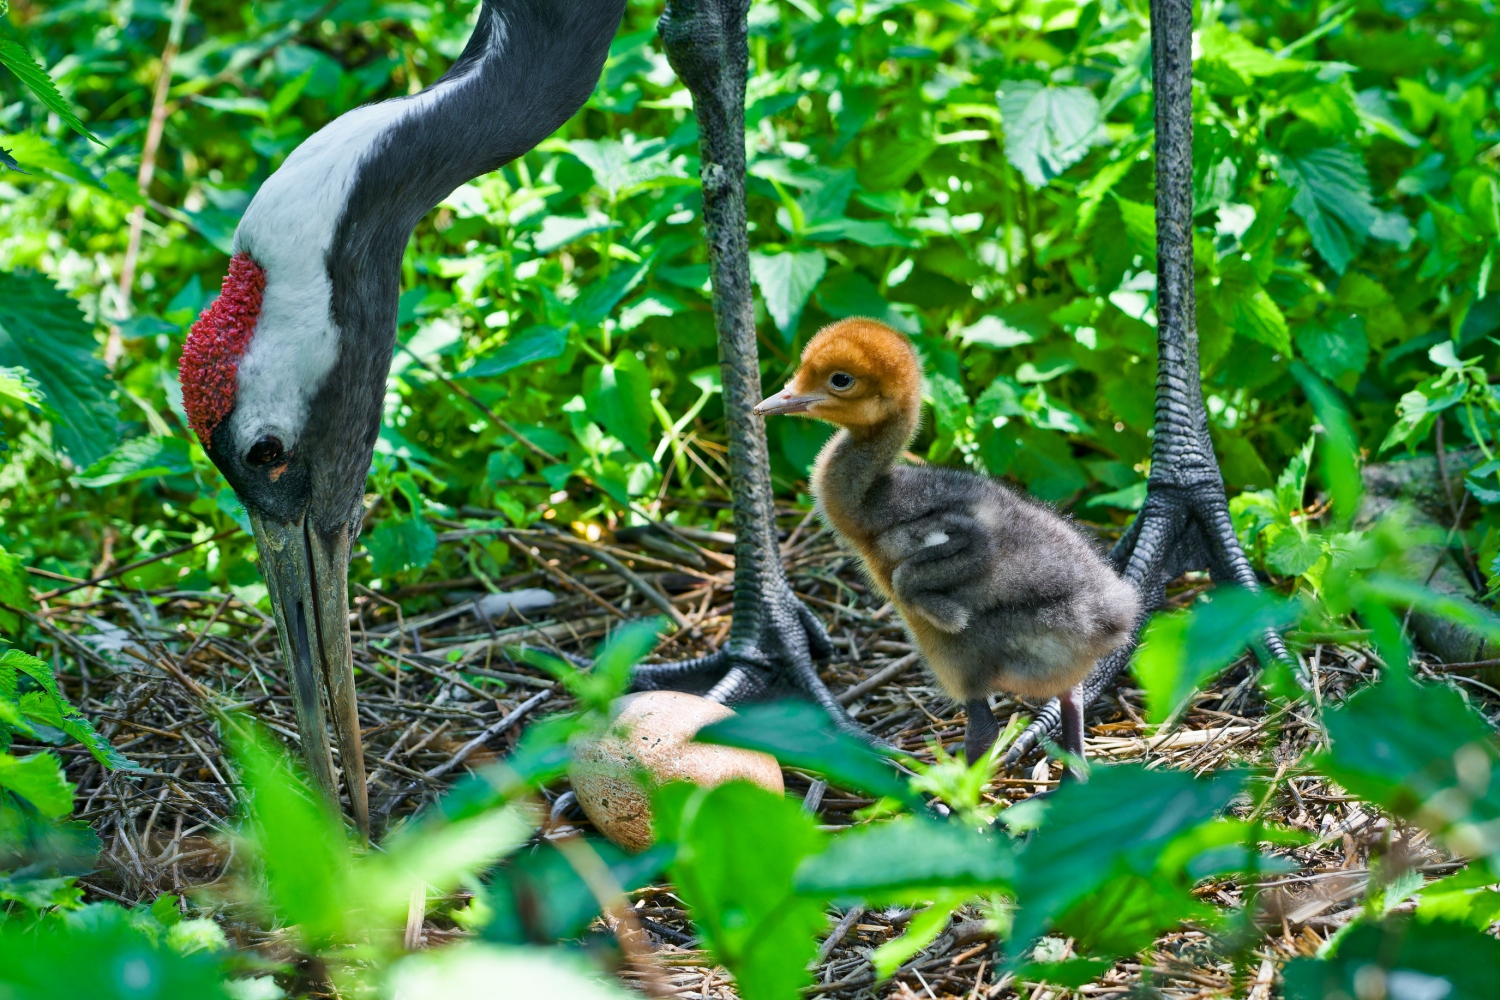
(774, 641)
(1184, 524)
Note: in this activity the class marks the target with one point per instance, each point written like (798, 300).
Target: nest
(439, 695)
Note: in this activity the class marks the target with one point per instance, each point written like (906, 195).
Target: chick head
(856, 373)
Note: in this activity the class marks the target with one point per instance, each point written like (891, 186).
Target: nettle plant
(975, 176)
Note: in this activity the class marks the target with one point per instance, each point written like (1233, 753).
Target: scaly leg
(774, 640)
(1184, 523)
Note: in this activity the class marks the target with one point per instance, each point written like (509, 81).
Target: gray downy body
(999, 591)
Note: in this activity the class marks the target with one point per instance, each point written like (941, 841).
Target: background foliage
(977, 174)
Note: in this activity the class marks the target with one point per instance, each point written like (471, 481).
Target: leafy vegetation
(977, 175)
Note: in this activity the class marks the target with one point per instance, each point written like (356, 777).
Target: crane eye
(841, 380)
(265, 451)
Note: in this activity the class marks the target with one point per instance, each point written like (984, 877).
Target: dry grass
(153, 670)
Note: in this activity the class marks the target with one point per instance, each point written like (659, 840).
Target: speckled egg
(651, 739)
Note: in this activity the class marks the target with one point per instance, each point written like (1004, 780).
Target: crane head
(284, 375)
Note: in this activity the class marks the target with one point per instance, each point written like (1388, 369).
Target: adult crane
(283, 377)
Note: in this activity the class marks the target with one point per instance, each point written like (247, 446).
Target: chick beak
(787, 401)
(307, 574)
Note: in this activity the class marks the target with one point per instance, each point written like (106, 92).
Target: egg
(648, 744)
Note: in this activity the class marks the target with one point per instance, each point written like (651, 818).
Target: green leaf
(1291, 553)
(103, 952)
(1465, 897)
(15, 590)
(1250, 310)
(40, 154)
(922, 930)
(16, 59)
(738, 846)
(1180, 650)
(435, 856)
(994, 331)
(1340, 464)
(905, 858)
(473, 970)
(1423, 753)
(801, 440)
(42, 331)
(847, 293)
(15, 662)
(1099, 855)
(624, 168)
(801, 734)
(536, 344)
(298, 840)
(787, 280)
(82, 730)
(539, 896)
(1140, 227)
(1337, 350)
(609, 676)
(17, 385)
(139, 458)
(598, 300)
(559, 230)
(619, 397)
(1228, 51)
(39, 780)
(401, 543)
(1131, 497)
(1402, 959)
(41, 893)
(1331, 192)
(1047, 129)
(867, 232)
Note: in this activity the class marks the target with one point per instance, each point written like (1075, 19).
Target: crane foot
(1180, 529)
(778, 654)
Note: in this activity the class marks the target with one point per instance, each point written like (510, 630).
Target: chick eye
(841, 380)
(265, 451)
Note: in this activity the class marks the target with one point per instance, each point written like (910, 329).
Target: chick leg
(981, 731)
(1072, 727)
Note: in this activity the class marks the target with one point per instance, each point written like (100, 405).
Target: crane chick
(998, 591)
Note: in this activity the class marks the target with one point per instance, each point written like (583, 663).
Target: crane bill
(307, 574)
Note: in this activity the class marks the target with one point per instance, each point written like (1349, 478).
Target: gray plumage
(998, 591)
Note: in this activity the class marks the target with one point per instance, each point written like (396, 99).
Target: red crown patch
(211, 356)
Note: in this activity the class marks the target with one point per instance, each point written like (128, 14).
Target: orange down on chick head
(856, 373)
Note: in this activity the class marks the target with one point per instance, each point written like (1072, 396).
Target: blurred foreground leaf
(1422, 752)
(1114, 859)
(738, 846)
(101, 952)
(801, 734)
(474, 970)
(900, 860)
(1401, 959)
(1182, 650)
